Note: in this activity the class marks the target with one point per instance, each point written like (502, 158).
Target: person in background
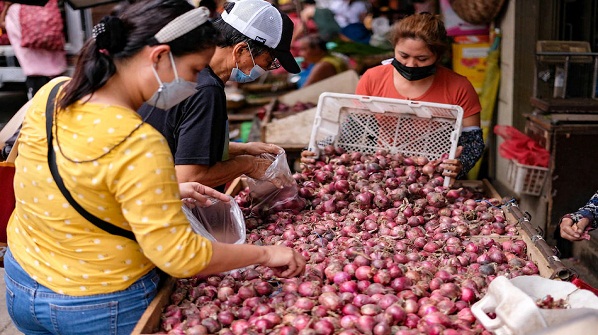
(415, 74)
(38, 65)
(575, 226)
(350, 15)
(321, 64)
(63, 274)
(256, 38)
(324, 20)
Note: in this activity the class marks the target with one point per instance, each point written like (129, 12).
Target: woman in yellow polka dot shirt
(64, 275)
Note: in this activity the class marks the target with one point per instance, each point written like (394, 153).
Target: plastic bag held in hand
(521, 147)
(514, 303)
(220, 222)
(277, 190)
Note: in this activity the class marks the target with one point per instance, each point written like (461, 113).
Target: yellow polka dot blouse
(134, 187)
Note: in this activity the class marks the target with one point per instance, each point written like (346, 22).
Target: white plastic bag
(277, 190)
(514, 303)
(221, 221)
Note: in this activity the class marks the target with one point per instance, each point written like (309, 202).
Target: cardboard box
(469, 60)
(294, 130)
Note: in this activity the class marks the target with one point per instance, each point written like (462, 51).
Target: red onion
(361, 299)
(304, 304)
(300, 321)
(365, 324)
(287, 330)
(330, 300)
(363, 272)
(323, 327)
(348, 286)
(263, 288)
(309, 289)
(239, 327)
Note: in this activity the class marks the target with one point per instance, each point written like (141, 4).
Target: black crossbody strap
(108, 227)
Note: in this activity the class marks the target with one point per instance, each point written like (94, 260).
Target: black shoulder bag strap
(108, 227)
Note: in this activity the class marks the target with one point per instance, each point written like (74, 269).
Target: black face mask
(412, 73)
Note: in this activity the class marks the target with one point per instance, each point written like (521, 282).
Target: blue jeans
(35, 309)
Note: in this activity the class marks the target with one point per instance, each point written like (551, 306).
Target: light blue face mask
(239, 76)
(171, 94)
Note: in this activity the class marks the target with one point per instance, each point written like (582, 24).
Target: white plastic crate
(366, 124)
(526, 179)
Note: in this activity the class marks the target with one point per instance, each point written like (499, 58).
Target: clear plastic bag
(277, 190)
(514, 303)
(221, 221)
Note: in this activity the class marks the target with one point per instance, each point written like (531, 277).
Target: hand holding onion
(573, 231)
(307, 157)
(452, 167)
(285, 262)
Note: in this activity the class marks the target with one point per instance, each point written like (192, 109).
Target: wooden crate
(150, 320)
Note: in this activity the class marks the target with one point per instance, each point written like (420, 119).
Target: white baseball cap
(264, 23)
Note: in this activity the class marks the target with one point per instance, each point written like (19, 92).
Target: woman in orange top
(415, 74)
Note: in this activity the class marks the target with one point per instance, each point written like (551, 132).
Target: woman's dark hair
(231, 36)
(424, 26)
(122, 37)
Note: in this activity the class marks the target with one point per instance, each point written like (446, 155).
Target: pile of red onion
(389, 250)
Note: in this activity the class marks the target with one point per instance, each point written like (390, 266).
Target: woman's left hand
(452, 167)
(195, 194)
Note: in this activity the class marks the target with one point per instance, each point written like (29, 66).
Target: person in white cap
(65, 272)
(256, 37)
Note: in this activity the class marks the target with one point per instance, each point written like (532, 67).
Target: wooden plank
(536, 256)
(236, 186)
(479, 185)
(496, 237)
(149, 323)
(490, 190)
(549, 266)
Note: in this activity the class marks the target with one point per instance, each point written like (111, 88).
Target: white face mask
(239, 76)
(171, 94)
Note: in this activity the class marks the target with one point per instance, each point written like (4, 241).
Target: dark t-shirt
(197, 128)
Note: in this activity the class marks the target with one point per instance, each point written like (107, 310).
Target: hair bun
(110, 34)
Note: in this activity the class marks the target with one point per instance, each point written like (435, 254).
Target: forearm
(215, 175)
(237, 149)
(227, 257)
(472, 142)
(589, 211)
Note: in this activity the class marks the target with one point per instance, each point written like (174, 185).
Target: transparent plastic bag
(277, 190)
(513, 301)
(221, 221)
